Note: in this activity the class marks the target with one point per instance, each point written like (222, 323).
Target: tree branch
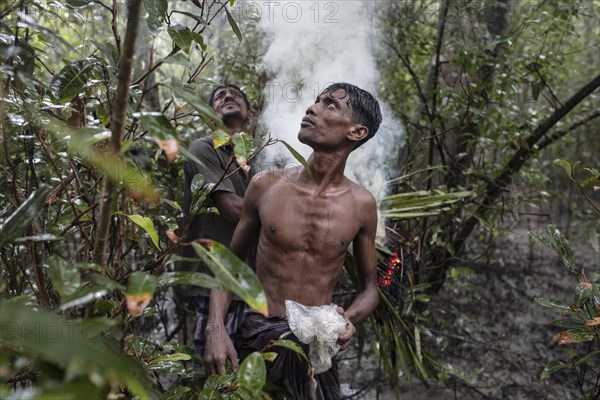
(495, 187)
(117, 127)
(556, 135)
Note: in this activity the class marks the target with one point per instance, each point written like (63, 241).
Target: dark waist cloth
(289, 370)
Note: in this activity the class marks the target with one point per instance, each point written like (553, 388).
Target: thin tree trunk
(117, 128)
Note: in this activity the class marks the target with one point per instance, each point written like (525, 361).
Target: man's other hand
(345, 338)
(219, 349)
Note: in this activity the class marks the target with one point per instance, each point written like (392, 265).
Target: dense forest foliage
(100, 99)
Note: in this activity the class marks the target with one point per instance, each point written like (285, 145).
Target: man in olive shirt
(231, 104)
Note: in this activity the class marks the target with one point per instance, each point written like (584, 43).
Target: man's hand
(345, 338)
(219, 348)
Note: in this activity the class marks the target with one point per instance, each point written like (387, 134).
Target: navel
(343, 242)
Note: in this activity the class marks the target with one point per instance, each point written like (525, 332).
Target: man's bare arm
(219, 347)
(366, 262)
(229, 205)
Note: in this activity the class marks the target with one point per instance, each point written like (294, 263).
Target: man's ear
(358, 133)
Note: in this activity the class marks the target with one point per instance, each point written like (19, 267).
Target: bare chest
(297, 220)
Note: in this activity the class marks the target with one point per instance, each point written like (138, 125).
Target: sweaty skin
(304, 223)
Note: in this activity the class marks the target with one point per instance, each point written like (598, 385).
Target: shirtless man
(305, 221)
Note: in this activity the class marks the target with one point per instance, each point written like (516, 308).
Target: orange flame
(394, 262)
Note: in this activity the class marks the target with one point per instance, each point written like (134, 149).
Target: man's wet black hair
(365, 108)
(225, 86)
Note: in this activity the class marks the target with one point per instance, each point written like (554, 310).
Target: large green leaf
(188, 278)
(234, 274)
(82, 297)
(252, 373)
(206, 112)
(243, 146)
(85, 137)
(557, 242)
(156, 14)
(182, 36)
(70, 81)
(78, 3)
(20, 220)
(49, 338)
(157, 125)
(297, 156)
(141, 282)
(220, 138)
(234, 25)
(140, 290)
(146, 224)
(553, 304)
(418, 204)
(65, 277)
(200, 192)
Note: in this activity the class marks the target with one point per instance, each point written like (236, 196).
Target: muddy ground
(491, 330)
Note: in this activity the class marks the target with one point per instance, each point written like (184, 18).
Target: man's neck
(237, 127)
(326, 169)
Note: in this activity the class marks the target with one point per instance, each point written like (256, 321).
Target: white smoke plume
(310, 45)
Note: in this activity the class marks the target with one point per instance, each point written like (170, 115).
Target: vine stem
(117, 129)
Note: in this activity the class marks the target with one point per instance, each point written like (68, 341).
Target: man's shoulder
(202, 143)
(362, 195)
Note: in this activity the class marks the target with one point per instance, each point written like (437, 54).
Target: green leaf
(457, 272)
(141, 282)
(65, 277)
(82, 297)
(171, 357)
(552, 304)
(243, 146)
(157, 125)
(297, 156)
(146, 224)
(181, 36)
(565, 164)
(587, 358)
(20, 220)
(103, 281)
(177, 59)
(234, 25)
(200, 192)
(557, 242)
(220, 138)
(252, 373)
(551, 368)
(206, 112)
(58, 341)
(572, 325)
(157, 9)
(188, 278)
(176, 393)
(85, 137)
(536, 89)
(70, 81)
(290, 345)
(234, 274)
(78, 3)
(589, 180)
(199, 39)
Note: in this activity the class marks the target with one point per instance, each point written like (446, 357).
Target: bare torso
(304, 236)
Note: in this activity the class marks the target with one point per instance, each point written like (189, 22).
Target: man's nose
(311, 109)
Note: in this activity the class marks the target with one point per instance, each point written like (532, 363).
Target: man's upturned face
(328, 121)
(228, 103)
